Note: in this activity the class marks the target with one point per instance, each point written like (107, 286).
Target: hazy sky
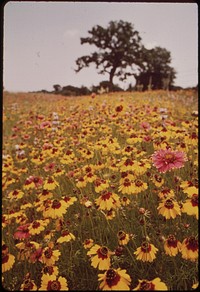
(42, 40)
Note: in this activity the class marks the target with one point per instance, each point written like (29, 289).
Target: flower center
(112, 278)
(56, 204)
(28, 285)
(144, 285)
(169, 204)
(169, 158)
(48, 253)
(49, 270)
(138, 183)
(35, 224)
(172, 241)
(192, 243)
(5, 258)
(121, 235)
(146, 247)
(106, 196)
(53, 286)
(195, 200)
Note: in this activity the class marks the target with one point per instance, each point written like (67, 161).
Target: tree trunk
(112, 72)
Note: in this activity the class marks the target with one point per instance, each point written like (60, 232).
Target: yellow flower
(53, 283)
(50, 184)
(108, 201)
(166, 193)
(146, 252)
(157, 180)
(123, 238)
(50, 270)
(100, 185)
(66, 236)
(54, 209)
(115, 280)
(169, 208)
(190, 206)
(190, 248)
(37, 226)
(28, 284)
(100, 257)
(88, 243)
(8, 261)
(49, 256)
(154, 284)
(172, 246)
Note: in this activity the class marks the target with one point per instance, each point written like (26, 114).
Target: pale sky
(42, 40)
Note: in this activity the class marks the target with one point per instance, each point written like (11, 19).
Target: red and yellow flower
(53, 283)
(169, 208)
(146, 252)
(100, 257)
(190, 248)
(172, 246)
(114, 280)
(153, 285)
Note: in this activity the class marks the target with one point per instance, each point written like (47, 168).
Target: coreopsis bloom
(88, 243)
(50, 256)
(190, 248)
(155, 284)
(188, 187)
(191, 205)
(53, 283)
(124, 201)
(139, 186)
(126, 186)
(157, 180)
(50, 184)
(108, 201)
(50, 270)
(166, 193)
(28, 284)
(123, 238)
(114, 279)
(7, 259)
(66, 236)
(100, 257)
(100, 185)
(166, 159)
(169, 208)
(37, 226)
(15, 195)
(54, 209)
(146, 252)
(68, 201)
(172, 246)
(81, 182)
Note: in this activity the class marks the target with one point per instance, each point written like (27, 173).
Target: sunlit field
(100, 192)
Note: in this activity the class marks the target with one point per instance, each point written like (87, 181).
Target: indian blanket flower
(50, 256)
(146, 252)
(22, 232)
(190, 248)
(114, 279)
(166, 159)
(53, 283)
(169, 208)
(7, 259)
(100, 257)
(172, 246)
(153, 285)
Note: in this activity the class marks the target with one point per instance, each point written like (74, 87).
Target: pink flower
(166, 159)
(22, 232)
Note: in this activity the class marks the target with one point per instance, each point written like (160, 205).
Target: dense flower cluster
(100, 192)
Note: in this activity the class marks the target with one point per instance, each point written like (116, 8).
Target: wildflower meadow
(100, 192)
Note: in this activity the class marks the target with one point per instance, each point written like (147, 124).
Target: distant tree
(57, 88)
(119, 49)
(155, 72)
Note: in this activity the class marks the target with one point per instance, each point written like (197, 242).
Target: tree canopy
(120, 53)
(119, 47)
